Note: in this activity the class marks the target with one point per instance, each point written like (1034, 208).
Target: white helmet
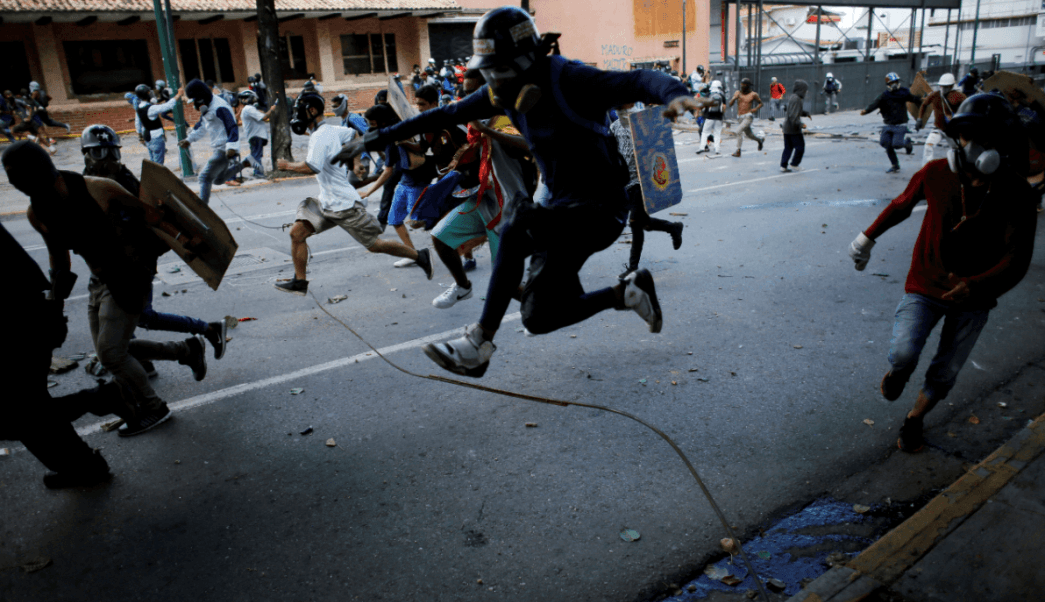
(830, 75)
(716, 86)
(947, 79)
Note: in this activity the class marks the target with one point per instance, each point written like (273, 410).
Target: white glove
(860, 251)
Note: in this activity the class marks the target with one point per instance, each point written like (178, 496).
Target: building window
(363, 53)
(14, 69)
(206, 59)
(292, 57)
(107, 66)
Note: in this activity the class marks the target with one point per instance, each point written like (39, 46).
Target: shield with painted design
(657, 166)
(210, 247)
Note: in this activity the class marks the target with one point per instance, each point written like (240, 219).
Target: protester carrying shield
(975, 244)
(942, 103)
(560, 107)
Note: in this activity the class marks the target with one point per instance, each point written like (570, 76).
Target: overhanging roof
(232, 9)
(876, 4)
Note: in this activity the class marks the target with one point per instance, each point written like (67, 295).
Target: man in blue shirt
(560, 108)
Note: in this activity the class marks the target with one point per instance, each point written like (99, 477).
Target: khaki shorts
(359, 224)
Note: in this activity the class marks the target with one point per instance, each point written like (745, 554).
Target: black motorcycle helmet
(301, 120)
(100, 142)
(143, 91)
(996, 135)
(247, 97)
(502, 36)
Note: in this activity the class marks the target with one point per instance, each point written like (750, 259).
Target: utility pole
(684, 39)
(272, 73)
(170, 69)
(975, 30)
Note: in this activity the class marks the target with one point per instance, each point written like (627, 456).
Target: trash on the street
(797, 346)
(642, 380)
(37, 564)
(4, 451)
(703, 380)
(52, 383)
(1002, 404)
(729, 545)
(776, 585)
(109, 427)
(868, 422)
(629, 535)
(307, 431)
(861, 509)
(764, 555)
(974, 419)
(247, 319)
(165, 294)
(331, 442)
(174, 270)
(393, 290)
(60, 364)
(297, 391)
(336, 299)
(231, 322)
(731, 580)
(716, 573)
(694, 369)
(679, 214)
(531, 425)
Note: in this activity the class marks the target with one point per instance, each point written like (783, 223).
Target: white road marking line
(216, 396)
(336, 251)
(783, 175)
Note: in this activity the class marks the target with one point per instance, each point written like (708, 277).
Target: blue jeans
(257, 153)
(893, 137)
(916, 316)
(218, 170)
(153, 320)
(795, 143)
(403, 202)
(157, 148)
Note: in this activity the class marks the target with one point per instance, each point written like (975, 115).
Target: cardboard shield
(211, 243)
(658, 169)
(920, 87)
(400, 103)
(1018, 88)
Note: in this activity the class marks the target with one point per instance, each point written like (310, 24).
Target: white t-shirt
(335, 191)
(253, 123)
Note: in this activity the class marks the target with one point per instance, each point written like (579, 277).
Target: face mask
(893, 86)
(975, 158)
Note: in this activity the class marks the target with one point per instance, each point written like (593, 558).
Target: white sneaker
(451, 296)
(467, 356)
(404, 263)
(795, 168)
(641, 296)
(785, 169)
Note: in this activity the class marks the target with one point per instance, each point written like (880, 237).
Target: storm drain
(178, 272)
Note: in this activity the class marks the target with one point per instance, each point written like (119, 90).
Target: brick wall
(120, 116)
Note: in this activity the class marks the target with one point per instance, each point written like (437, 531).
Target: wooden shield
(1019, 88)
(655, 159)
(213, 245)
(920, 87)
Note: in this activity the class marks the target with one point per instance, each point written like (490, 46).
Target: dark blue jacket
(893, 105)
(567, 130)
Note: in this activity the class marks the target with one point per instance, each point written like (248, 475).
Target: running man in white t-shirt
(256, 129)
(338, 204)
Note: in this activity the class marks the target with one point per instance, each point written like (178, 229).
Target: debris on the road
(77, 356)
(836, 558)
(165, 294)
(729, 545)
(297, 391)
(4, 451)
(642, 381)
(531, 425)
(776, 585)
(336, 299)
(393, 290)
(307, 431)
(861, 509)
(629, 535)
(716, 573)
(479, 581)
(174, 270)
(691, 588)
(1002, 404)
(694, 369)
(573, 336)
(177, 461)
(868, 422)
(37, 564)
(731, 580)
(674, 383)
(974, 419)
(52, 383)
(764, 555)
(331, 442)
(703, 380)
(227, 339)
(689, 353)
(60, 364)
(109, 427)
(247, 319)
(881, 275)
(231, 322)
(797, 346)
(679, 214)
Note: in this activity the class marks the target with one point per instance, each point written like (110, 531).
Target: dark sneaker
(737, 154)
(295, 286)
(150, 368)
(627, 270)
(97, 474)
(676, 235)
(424, 260)
(893, 169)
(197, 359)
(216, 334)
(641, 296)
(470, 265)
(771, 118)
(760, 143)
(467, 356)
(908, 145)
(911, 439)
(145, 421)
(892, 386)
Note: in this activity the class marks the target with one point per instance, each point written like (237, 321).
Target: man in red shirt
(975, 244)
(776, 98)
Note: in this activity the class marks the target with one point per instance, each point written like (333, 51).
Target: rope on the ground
(560, 403)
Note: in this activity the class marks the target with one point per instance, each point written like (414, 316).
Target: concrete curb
(882, 564)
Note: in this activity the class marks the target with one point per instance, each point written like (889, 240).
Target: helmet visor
(100, 153)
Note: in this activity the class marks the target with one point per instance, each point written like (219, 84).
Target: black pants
(44, 424)
(387, 193)
(793, 143)
(559, 240)
(640, 223)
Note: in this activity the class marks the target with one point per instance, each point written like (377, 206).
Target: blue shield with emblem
(655, 160)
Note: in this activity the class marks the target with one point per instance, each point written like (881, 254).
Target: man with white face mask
(560, 108)
(975, 244)
(943, 103)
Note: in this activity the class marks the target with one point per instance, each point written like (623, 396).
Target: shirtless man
(748, 103)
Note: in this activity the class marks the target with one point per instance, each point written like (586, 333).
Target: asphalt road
(438, 492)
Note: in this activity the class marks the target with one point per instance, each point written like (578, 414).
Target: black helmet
(988, 121)
(247, 97)
(301, 120)
(142, 91)
(100, 141)
(503, 35)
(974, 72)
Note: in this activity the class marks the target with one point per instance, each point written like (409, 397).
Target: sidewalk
(978, 540)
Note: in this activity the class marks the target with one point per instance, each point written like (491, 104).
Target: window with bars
(106, 66)
(207, 59)
(1015, 22)
(366, 53)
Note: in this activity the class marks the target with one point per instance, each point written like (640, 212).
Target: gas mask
(301, 120)
(893, 86)
(508, 89)
(975, 158)
(102, 161)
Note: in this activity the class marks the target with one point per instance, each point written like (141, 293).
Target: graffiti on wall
(616, 57)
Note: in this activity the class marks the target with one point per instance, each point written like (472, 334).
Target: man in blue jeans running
(560, 107)
(893, 105)
(975, 244)
(219, 122)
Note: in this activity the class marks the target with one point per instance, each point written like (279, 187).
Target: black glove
(62, 283)
(54, 325)
(357, 145)
(918, 125)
